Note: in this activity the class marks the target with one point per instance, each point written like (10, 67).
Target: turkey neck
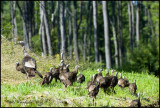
(76, 69)
(138, 98)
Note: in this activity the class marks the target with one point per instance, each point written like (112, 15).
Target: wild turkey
(107, 74)
(20, 67)
(104, 83)
(121, 81)
(55, 73)
(47, 77)
(91, 82)
(133, 87)
(30, 66)
(126, 81)
(71, 76)
(114, 81)
(22, 45)
(98, 75)
(58, 70)
(62, 64)
(136, 103)
(66, 68)
(93, 91)
(80, 78)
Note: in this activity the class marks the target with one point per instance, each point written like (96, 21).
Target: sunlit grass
(16, 91)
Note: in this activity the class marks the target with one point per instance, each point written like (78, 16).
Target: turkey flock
(67, 77)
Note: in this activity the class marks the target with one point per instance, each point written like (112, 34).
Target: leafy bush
(145, 57)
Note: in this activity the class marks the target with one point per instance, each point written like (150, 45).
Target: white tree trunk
(106, 36)
(95, 31)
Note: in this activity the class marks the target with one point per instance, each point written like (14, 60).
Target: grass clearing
(16, 91)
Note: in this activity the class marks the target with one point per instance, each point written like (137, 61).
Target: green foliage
(36, 44)
(145, 57)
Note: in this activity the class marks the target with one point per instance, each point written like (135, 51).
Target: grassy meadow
(16, 91)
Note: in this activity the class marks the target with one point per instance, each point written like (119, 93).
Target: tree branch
(55, 12)
(80, 17)
(19, 9)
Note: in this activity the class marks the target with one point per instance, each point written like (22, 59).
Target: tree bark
(133, 27)
(95, 31)
(90, 30)
(75, 32)
(70, 36)
(119, 15)
(106, 35)
(14, 23)
(86, 33)
(63, 36)
(114, 35)
(137, 24)
(26, 40)
(47, 30)
(43, 31)
(58, 28)
(30, 5)
(130, 24)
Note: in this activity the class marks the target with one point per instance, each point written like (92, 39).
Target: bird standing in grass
(93, 91)
(133, 87)
(20, 67)
(114, 82)
(136, 103)
(47, 77)
(98, 75)
(126, 81)
(80, 78)
(30, 66)
(91, 82)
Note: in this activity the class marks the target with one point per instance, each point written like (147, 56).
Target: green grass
(16, 91)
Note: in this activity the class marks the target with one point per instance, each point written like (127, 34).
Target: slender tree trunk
(26, 40)
(30, 25)
(133, 27)
(47, 30)
(75, 32)
(137, 24)
(63, 36)
(119, 15)
(86, 33)
(114, 34)
(14, 24)
(70, 36)
(90, 30)
(95, 31)
(130, 24)
(43, 31)
(58, 28)
(40, 37)
(106, 35)
(150, 23)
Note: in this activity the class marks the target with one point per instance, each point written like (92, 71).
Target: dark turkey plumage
(91, 82)
(93, 91)
(114, 81)
(136, 103)
(30, 66)
(47, 77)
(71, 76)
(20, 67)
(126, 81)
(80, 78)
(133, 87)
(98, 76)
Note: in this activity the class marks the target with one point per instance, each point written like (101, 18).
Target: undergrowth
(16, 91)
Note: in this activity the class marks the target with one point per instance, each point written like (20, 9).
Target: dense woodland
(117, 34)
